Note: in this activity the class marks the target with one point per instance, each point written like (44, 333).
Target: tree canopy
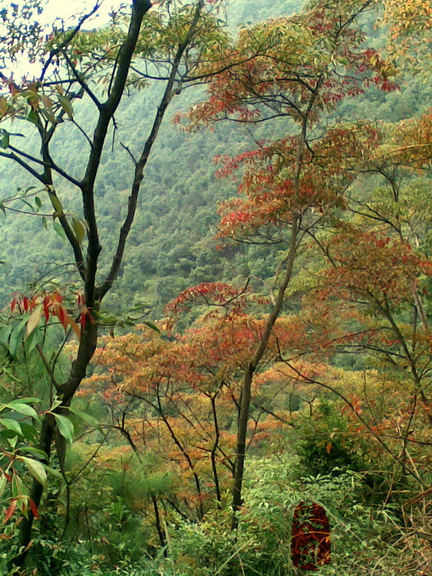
(216, 367)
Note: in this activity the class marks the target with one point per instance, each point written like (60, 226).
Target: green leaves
(58, 229)
(57, 205)
(33, 117)
(79, 229)
(16, 334)
(22, 406)
(11, 424)
(36, 469)
(153, 326)
(3, 482)
(5, 332)
(66, 105)
(65, 427)
(4, 138)
(34, 319)
(88, 419)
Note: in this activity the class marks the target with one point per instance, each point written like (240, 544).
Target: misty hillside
(172, 244)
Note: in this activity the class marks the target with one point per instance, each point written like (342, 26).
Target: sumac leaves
(46, 305)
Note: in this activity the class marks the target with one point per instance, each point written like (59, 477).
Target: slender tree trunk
(246, 398)
(246, 395)
(89, 334)
(26, 526)
(214, 450)
(159, 529)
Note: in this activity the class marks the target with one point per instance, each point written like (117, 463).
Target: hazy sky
(69, 11)
(69, 8)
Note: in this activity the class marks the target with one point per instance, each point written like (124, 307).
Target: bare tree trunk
(88, 341)
(246, 396)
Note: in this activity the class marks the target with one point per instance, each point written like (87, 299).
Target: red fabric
(310, 544)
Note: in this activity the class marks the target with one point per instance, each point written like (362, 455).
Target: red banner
(310, 544)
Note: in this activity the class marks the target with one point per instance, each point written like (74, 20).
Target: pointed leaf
(66, 105)
(66, 320)
(65, 426)
(36, 469)
(33, 117)
(153, 327)
(16, 336)
(58, 206)
(10, 511)
(11, 424)
(53, 471)
(4, 139)
(22, 408)
(48, 103)
(3, 482)
(5, 332)
(59, 230)
(88, 419)
(18, 488)
(31, 341)
(34, 319)
(33, 508)
(78, 229)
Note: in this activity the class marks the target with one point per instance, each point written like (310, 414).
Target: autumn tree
(371, 297)
(410, 33)
(102, 66)
(185, 389)
(296, 69)
(365, 301)
(364, 289)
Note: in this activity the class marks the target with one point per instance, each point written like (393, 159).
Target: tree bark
(89, 334)
(246, 396)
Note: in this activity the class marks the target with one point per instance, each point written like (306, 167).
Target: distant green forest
(172, 244)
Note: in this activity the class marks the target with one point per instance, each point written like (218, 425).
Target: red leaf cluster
(46, 304)
(268, 195)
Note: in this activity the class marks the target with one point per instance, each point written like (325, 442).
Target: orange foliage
(379, 269)
(267, 192)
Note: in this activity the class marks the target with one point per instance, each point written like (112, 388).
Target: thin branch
(84, 85)
(24, 165)
(140, 165)
(130, 153)
(50, 164)
(68, 40)
(83, 132)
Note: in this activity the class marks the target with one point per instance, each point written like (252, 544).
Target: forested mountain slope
(172, 243)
